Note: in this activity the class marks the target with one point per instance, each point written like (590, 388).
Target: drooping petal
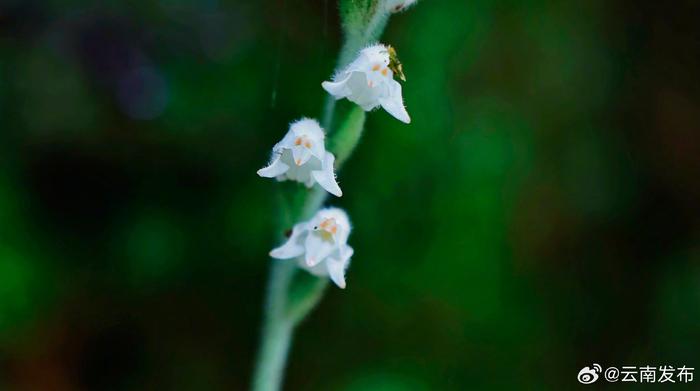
(393, 103)
(300, 154)
(337, 267)
(294, 246)
(317, 248)
(274, 169)
(326, 176)
(364, 94)
(339, 88)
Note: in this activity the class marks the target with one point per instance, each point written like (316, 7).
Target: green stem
(291, 296)
(277, 333)
(282, 314)
(345, 139)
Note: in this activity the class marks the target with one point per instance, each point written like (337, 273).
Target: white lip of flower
(369, 82)
(320, 245)
(301, 156)
(398, 5)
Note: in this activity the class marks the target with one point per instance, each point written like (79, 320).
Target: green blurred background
(539, 214)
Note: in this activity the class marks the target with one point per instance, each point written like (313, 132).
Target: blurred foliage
(538, 215)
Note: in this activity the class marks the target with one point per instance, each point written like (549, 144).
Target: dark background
(538, 215)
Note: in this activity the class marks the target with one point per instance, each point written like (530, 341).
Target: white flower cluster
(301, 156)
(320, 244)
(369, 82)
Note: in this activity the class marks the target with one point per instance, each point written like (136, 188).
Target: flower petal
(300, 154)
(274, 169)
(393, 103)
(313, 135)
(318, 149)
(286, 142)
(338, 89)
(363, 93)
(326, 177)
(294, 246)
(375, 54)
(317, 248)
(337, 267)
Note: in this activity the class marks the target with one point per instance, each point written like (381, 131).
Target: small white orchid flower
(301, 156)
(369, 82)
(320, 245)
(395, 6)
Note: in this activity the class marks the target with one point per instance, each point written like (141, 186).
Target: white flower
(369, 82)
(320, 245)
(395, 6)
(301, 156)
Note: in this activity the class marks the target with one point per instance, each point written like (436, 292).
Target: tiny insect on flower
(301, 156)
(369, 82)
(320, 245)
(394, 63)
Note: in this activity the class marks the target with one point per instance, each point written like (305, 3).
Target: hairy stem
(277, 332)
(282, 314)
(292, 295)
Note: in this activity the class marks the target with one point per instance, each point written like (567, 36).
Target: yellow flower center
(327, 228)
(378, 67)
(303, 140)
